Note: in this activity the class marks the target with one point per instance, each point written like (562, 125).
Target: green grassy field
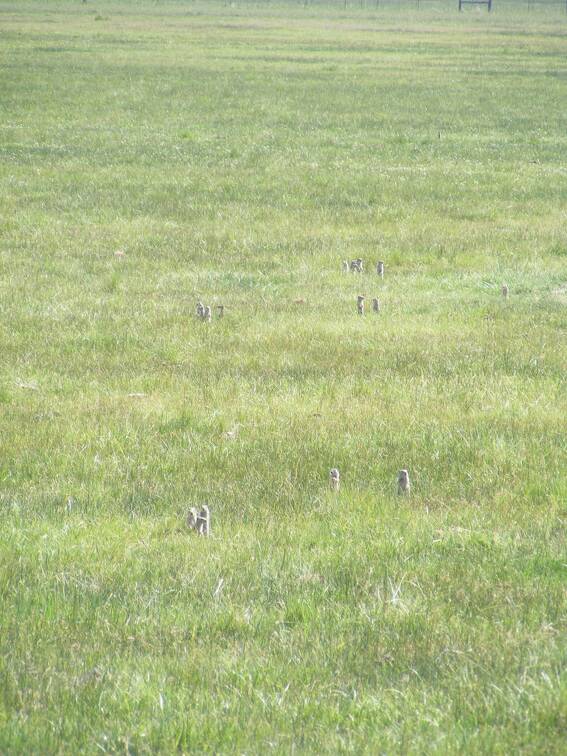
(238, 154)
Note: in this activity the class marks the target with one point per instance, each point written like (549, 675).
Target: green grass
(237, 154)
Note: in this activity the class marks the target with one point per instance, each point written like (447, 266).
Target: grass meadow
(237, 154)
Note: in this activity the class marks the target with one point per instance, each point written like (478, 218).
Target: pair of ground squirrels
(404, 485)
(360, 304)
(204, 312)
(200, 520)
(357, 266)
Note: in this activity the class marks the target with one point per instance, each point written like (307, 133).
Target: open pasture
(237, 154)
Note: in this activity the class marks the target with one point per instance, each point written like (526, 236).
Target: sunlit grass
(237, 155)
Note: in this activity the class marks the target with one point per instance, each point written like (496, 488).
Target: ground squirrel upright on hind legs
(403, 482)
(334, 479)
